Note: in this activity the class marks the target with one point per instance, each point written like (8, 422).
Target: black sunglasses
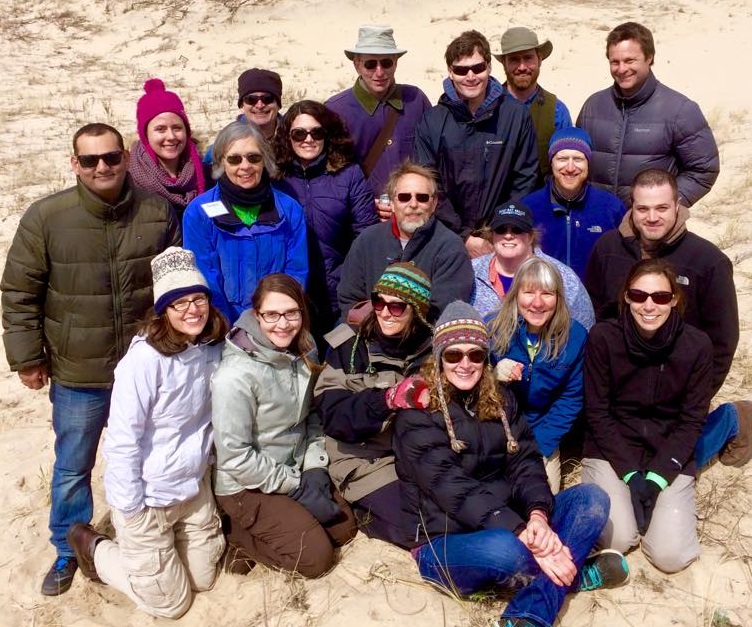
(396, 308)
(407, 197)
(87, 162)
(463, 70)
(317, 133)
(385, 63)
(659, 298)
(251, 157)
(251, 100)
(508, 228)
(455, 355)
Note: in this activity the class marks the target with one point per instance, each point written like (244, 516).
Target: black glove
(644, 495)
(315, 494)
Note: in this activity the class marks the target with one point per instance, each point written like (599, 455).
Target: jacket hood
(450, 98)
(248, 336)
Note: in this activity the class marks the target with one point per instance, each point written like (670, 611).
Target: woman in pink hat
(165, 160)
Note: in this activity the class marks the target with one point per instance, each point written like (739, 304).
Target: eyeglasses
(385, 63)
(395, 308)
(407, 197)
(181, 306)
(464, 70)
(455, 355)
(252, 157)
(317, 133)
(251, 100)
(659, 298)
(508, 228)
(273, 316)
(87, 162)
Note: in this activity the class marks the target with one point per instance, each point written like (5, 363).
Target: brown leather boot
(83, 539)
(738, 450)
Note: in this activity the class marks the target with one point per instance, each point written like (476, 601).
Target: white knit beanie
(175, 274)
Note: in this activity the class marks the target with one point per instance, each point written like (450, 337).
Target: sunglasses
(455, 355)
(252, 157)
(87, 162)
(464, 70)
(407, 197)
(384, 63)
(251, 100)
(659, 298)
(508, 228)
(317, 133)
(395, 309)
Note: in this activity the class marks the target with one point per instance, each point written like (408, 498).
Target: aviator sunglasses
(455, 355)
(251, 100)
(251, 157)
(384, 63)
(659, 298)
(407, 197)
(395, 309)
(463, 70)
(317, 133)
(87, 162)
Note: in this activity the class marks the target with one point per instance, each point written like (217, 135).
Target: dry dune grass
(67, 63)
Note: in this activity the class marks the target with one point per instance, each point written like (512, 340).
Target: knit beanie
(459, 323)
(156, 100)
(409, 283)
(259, 80)
(175, 275)
(571, 138)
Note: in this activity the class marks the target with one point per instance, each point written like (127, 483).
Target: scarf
(656, 348)
(235, 196)
(150, 175)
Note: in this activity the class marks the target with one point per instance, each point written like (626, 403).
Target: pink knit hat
(156, 100)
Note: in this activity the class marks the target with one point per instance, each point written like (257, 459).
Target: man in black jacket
(479, 139)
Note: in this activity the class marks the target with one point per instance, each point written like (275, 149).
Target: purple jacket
(365, 117)
(338, 206)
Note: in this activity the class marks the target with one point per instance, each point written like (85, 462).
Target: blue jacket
(235, 258)
(338, 206)
(569, 230)
(551, 391)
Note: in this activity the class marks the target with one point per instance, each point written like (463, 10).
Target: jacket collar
(101, 209)
(248, 337)
(421, 234)
(369, 102)
(644, 93)
(563, 205)
(494, 95)
(630, 235)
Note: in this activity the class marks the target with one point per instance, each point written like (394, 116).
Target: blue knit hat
(572, 138)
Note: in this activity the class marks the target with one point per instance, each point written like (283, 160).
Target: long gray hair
(232, 133)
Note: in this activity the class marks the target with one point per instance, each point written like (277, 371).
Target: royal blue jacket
(234, 258)
(550, 393)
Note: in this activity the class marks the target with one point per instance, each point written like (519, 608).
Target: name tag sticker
(215, 209)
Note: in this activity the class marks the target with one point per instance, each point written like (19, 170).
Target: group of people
(381, 315)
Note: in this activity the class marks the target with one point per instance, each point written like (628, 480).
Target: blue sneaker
(514, 622)
(60, 576)
(604, 569)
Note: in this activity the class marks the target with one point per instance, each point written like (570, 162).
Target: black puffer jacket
(483, 487)
(656, 128)
(646, 401)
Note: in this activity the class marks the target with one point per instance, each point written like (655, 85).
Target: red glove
(410, 393)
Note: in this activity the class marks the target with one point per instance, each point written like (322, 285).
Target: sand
(68, 63)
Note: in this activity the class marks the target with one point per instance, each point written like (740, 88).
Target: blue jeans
(469, 562)
(721, 425)
(78, 417)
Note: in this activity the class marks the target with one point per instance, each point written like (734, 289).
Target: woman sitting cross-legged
(477, 507)
(271, 476)
(157, 447)
(540, 351)
(370, 373)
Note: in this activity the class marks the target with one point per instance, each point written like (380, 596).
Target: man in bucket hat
(522, 57)
(379, 113)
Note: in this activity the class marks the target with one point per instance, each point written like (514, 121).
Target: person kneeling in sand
(158, 445)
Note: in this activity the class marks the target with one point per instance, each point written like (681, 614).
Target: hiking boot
(60, 576)
(738, 450)
(236, 561)
(604, 569)
(83, 539)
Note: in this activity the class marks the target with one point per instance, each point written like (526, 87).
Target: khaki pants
(277, 531)
(163, 553)
(553, 471)
(670, 543)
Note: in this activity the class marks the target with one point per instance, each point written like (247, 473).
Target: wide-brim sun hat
(374, 40)
(519, 38)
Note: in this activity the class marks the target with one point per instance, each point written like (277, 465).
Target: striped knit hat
(459, 323)
(409, 283)
(571, 138)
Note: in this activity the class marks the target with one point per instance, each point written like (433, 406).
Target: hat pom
(154, 84)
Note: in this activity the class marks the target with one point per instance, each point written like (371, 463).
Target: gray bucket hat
(374, 40)
(520, 38)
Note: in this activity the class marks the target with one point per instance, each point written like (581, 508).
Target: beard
(521, 82)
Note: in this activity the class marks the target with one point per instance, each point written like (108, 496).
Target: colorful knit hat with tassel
(409, 283)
